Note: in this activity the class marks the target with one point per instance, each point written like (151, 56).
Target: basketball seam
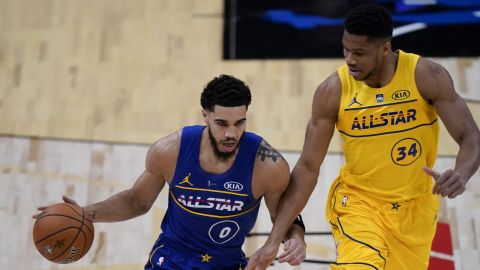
(75, 238)
(61, 204)
(52, 234)
(82, 215)
(73, 241)
(84, 251)
(84, 236)
(60, 215)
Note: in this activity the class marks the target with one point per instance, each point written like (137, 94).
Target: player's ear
(204, 114)
(387, 46)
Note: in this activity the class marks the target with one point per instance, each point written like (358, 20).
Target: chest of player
(377, 112)
(200, 194)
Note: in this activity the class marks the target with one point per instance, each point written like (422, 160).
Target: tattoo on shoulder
(267, 151)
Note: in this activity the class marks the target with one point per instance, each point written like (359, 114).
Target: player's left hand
(294, 251)
(447, 184)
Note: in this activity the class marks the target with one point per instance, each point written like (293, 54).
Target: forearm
(119, 207)
(303, 183)
(468, 158)
(292, 202)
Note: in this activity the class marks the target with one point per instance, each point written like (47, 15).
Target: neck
(384, 72)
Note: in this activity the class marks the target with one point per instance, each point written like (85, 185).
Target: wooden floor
(86, 85)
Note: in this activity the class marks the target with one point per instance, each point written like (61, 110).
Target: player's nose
(350, 60)
(231, 133)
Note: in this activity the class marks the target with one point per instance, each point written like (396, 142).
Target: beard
(223, 156)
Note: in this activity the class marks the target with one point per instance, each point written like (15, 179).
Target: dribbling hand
(42, 208)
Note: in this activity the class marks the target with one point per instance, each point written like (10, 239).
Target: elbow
(139, 207)
(312, 168)
(477, 140)
(477, 144)
(304, 172)
(473, 137)
(473, 142)
(143, 209)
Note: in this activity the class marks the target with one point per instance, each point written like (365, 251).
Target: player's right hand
(447, 184)
(42, 208)
(294, 251)
(263, 258)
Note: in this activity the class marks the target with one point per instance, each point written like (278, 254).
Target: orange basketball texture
(62, 234)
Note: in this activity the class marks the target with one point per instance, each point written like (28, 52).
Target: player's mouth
(229, 146)
(354, 72)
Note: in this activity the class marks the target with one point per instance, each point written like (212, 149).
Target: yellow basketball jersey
(389, 134)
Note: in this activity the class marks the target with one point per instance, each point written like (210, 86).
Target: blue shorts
(165, 255)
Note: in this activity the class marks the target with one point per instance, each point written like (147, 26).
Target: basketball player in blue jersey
(385, 104)
(217, 176)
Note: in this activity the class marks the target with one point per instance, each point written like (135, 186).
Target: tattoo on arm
(266, 151)
(91, 214)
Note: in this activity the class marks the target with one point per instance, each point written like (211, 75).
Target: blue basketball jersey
(209, 215)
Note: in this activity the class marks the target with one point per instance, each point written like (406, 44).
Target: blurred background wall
(86, 86)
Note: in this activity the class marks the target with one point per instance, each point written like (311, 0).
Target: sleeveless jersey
(211, 213)
(389, 134)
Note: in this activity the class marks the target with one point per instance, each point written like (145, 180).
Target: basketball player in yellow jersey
(385, 104)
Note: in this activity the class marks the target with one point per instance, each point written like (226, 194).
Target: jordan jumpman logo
(354, 100)
(186, 180)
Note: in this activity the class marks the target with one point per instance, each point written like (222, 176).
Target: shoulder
(271, 170)
(330, 87)
(268, 158)
(166, 145)
(162, 155)
(427, 70)
(432, 79)
(326, 100)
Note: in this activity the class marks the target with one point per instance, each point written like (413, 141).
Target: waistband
(380, 203)
(188, 250)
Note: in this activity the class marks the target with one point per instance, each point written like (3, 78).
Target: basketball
(62, 234)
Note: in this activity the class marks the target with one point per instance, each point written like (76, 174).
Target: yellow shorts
(371, 234)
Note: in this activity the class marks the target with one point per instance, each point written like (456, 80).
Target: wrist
(90, 213)
(299, 222)
(297, 229)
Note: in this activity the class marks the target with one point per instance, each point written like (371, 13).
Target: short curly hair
(227, 91)
(369, 20)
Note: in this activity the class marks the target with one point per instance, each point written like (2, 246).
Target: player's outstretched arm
(305, 173)
(274, 176)
(436, 86)
(271, 178)
(139, 199)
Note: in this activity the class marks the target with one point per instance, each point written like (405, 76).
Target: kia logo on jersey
(233, 186)
(401, 94)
